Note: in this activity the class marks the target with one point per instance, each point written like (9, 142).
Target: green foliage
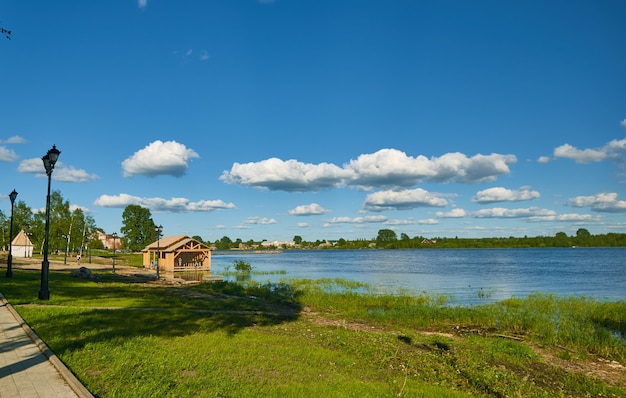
(242, 266)
(386, 239)
(137, 228)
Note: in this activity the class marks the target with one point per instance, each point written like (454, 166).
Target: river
(467, 276)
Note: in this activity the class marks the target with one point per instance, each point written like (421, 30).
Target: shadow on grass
(114, 308)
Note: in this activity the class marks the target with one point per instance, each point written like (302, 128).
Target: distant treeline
(388, 239)
(581, 239)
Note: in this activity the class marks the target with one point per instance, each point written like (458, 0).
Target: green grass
(305, 338)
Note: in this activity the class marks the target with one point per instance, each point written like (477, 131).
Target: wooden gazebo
(177, 253)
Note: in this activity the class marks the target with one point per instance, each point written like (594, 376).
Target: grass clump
(329, 338)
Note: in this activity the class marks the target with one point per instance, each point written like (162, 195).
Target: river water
(467, 276)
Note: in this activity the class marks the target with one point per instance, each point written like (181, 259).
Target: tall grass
(314, 338)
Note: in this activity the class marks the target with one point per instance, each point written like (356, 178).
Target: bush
(242, 266)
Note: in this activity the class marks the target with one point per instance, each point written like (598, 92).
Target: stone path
(28, 368)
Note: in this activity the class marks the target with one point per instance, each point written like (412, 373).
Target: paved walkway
(28, 368)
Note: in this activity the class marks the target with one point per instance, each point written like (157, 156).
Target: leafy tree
(297, 239)
(386, 238)
(137, 228)
(561, 240)
(198, 238)
(224, 244)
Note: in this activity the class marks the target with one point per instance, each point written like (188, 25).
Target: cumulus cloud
(290, 175)
(500, 194)
(16, 139)
(544, 159)
(500, 212)
(158, 158)
(614, 150)
(357, 220)
(403, 200)
(7, 155)
(603, 202)
(60, 173)
(386, 168)
(260, 221)
(312, 209)
(454, 213)
(578, 155)
(173, 205)
(623, 123)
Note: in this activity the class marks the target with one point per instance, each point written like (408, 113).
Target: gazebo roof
(172, 243)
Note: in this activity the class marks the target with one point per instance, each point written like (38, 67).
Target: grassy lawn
(327, 338)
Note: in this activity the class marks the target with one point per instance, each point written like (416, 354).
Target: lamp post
(67, 243)
(114, 235)
(9, 273)
(49, 160)
(158, 230)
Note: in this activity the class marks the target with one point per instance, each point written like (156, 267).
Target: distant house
(21, 245)
(177, 253)
(108, 240)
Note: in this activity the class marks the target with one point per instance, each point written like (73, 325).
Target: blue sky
(324, 119)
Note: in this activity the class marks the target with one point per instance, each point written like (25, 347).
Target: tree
(137, 228)
(561, 240)
(224, 244)
(297, 239)
(386, 238)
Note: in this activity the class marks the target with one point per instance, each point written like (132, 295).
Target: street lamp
(67, 244)
(114, 235)
(9, 273)
(158, 230)
(49, 160)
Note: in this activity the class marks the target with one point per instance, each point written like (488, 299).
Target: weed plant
(332, 338)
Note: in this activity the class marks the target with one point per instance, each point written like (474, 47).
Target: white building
(21, 245)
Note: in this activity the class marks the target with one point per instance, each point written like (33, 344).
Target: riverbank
(124, 337)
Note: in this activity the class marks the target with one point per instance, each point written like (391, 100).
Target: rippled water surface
(468, 275)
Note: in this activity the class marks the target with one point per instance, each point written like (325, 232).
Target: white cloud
(308, 210)
(403, 200)
(428, 221)
(7, 155)
(614, 150)
(60, 172)
(454, 213)
(388, 168)
(623, 123)
(574, 217)
(173, 205)
(500, 194)
(158, 158)
(142, 3)
(260, 221)
(578, 155)
(290, 175)
(500, 212)
(71, 174)
(602, 202)
(544, 159)
(16, 139)
(357, 220)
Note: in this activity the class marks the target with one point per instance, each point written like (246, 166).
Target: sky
(326, 119)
